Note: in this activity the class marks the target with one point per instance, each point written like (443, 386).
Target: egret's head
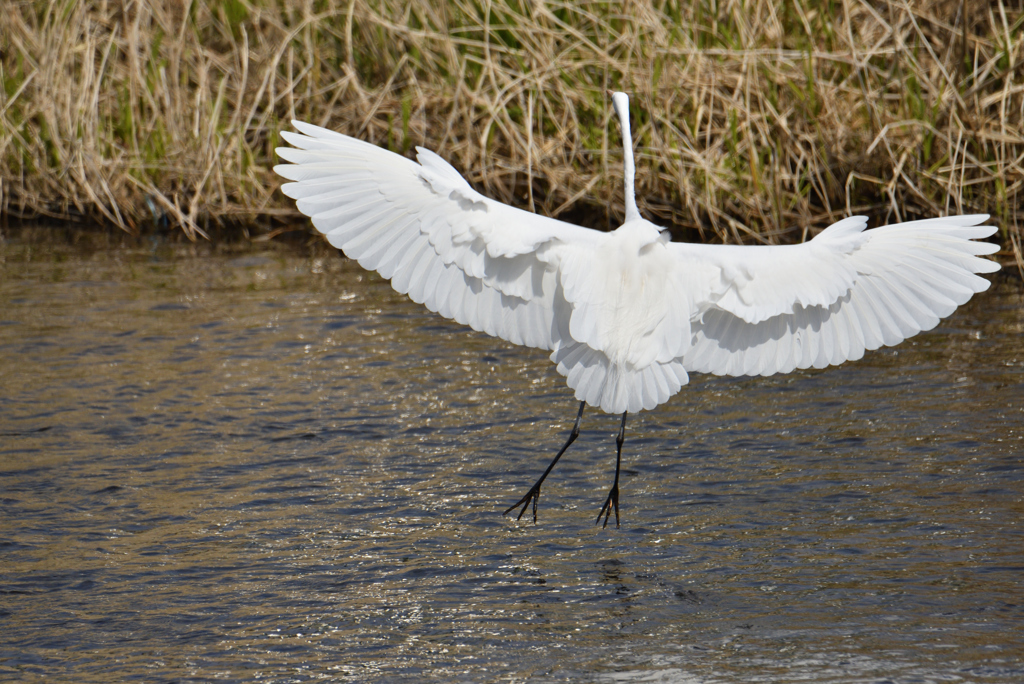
(620, 102)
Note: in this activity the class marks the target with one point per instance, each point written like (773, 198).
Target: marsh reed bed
(755, 120)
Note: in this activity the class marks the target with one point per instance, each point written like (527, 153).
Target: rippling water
(266, 465)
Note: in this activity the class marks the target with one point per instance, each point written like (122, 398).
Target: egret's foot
(534, 495)
(609, 503)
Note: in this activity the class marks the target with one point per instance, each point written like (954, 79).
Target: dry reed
(754, 121)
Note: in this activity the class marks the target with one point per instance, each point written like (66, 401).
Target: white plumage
(627, 314)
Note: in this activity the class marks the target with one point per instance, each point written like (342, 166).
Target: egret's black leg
(613, 495)
(534, 493)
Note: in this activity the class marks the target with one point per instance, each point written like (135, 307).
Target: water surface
(265, 465)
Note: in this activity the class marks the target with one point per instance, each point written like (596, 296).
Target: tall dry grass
(754, 121)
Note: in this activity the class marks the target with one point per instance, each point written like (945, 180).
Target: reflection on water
(269, 466)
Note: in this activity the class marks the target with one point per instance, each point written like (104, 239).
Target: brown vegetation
(754, 121)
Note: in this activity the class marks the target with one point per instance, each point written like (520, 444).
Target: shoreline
(760, 126)
(94, 237)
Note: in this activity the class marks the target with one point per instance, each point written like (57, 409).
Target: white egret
(627, 314)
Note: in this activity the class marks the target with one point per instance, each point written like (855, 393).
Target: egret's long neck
(621, 103)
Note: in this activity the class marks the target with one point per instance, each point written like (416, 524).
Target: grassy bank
(753, 122)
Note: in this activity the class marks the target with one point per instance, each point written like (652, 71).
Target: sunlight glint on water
(269, 466)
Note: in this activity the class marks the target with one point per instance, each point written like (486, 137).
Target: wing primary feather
(418, 252)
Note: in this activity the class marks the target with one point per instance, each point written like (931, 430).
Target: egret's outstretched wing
(627, 314)
(828, 300)
(421, 225)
